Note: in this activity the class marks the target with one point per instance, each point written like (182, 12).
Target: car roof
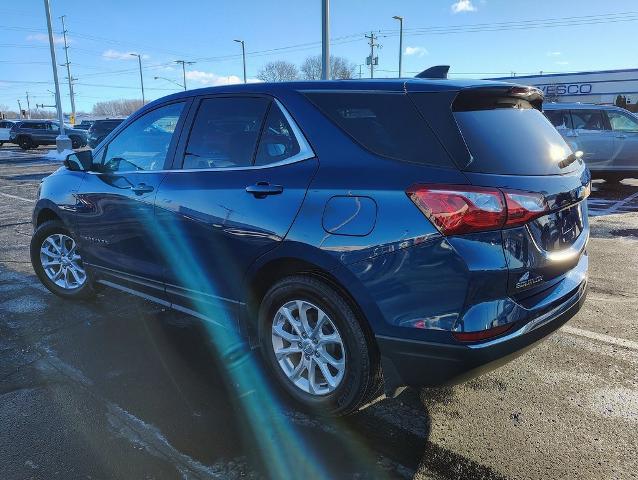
(577, 106)
(375, 84)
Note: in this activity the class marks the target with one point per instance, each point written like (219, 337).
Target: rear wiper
(571, 158)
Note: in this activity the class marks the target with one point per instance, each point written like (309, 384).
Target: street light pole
(325, 39)
(400, 19)
(62, 142)
(139, 61)
(169, 80)
(243, 55)
(20, 109)
(28, 106)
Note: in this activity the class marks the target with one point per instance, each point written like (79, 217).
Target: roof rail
(438, 71)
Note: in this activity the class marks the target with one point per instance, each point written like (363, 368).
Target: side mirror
(79, 161)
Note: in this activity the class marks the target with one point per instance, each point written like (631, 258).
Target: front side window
(144, 144)
(588, 119)
(278, 141)
(225, 133)
(622, 122)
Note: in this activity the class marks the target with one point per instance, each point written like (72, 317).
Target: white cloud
(418, 51)
(111, 54)
(43, 37)
(562, 62)
(213, 80)
(463, 6)
(554, 54)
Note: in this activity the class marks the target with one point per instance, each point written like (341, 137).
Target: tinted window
(588, 119)
(622, 122)
(225, 132)
(144, 144)
(386, 124)
(559, 118)
(277, 141)
(513, 141)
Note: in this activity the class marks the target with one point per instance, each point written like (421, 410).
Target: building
(609, 87)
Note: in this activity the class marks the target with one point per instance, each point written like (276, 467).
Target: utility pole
(19, 109)
(68, 70)
(184, 63)
(360, 75)
(371, 60)
(243, 56)
(28, 107)
(139, 61)
(400, 19)
(62, 141)
(325, 39)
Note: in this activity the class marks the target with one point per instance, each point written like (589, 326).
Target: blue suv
(362, 234)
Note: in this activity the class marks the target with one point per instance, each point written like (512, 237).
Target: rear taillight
(459, 209)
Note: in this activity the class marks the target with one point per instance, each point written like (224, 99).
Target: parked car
(360, 233)
(607, 136)
(84, 125)
(32, 133)
(5, 128)
(100, 129)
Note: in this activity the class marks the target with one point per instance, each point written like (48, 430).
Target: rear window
(515, 140)
(384, 123)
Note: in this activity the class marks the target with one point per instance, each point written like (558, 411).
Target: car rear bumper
(419, 363)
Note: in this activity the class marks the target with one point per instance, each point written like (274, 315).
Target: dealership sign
(566, 89)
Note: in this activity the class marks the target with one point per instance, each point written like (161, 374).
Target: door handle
(141, 188)
(262, 189)
(621, 135)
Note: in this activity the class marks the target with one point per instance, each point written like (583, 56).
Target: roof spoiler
(438, 71)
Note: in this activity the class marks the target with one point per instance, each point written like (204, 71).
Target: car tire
(360, 377)
(24, 142)
(76, 142)
(57, 262)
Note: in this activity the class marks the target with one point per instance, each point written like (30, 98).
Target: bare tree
(278, 71)
(8, 113)
(340, 68)
(117, 108)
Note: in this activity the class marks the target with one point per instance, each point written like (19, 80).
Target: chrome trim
(305, 153)
(562, 255)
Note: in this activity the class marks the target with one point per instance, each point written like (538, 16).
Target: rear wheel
(25, 143)
(58, 263)
(315, 347)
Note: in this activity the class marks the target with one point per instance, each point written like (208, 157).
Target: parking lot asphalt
(120, 388)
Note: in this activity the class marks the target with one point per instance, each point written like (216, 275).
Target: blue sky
(476, 37)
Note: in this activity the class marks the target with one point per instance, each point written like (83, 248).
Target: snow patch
(54, 155)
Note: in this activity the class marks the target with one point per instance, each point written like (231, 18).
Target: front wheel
(315, 346)
(57, 262)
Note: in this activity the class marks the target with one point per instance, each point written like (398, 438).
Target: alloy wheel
(61, 262)
(308, 347)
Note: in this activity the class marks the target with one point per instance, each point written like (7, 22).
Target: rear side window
(588, 119)
(559, 118)
(225, 133)
(384, 123)
(511, 138)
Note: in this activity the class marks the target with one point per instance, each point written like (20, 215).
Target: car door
(115, 221)
(5, 127)
(594, 137)
(625, 128)
(240, 178)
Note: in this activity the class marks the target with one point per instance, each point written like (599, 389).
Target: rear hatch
(500, 140)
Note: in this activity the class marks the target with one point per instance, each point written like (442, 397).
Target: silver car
(607, 136)
(5, 128)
